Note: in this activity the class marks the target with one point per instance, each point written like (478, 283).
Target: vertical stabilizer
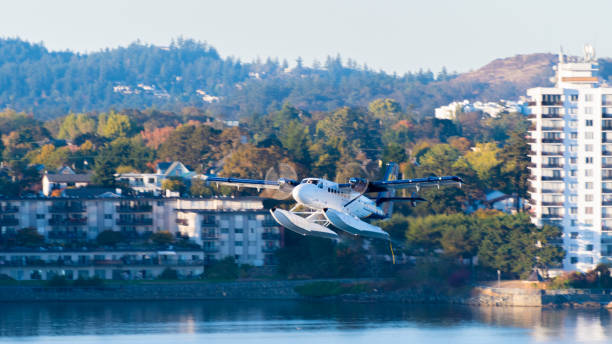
(391, 173)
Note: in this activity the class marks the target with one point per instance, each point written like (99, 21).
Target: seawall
(284, 290)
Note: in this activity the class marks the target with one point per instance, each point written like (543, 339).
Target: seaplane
(322, 204)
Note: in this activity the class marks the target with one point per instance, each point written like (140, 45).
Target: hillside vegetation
(49, 84)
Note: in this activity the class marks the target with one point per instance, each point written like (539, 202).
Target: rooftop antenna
(589, 53)
(561, 55)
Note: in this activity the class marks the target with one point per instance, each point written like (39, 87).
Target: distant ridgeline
(189, 73)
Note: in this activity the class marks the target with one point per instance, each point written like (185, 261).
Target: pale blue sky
(391, 35)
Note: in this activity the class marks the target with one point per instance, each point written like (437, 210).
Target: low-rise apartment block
(221, 227)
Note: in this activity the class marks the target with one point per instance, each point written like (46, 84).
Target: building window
(588, 135)
(588, 97)
(588, 111)
(588, 198)
(40, 216)
(238, 243)
(238, 230)
(573, 260)
(574, 235)
(108, 216)
(573, 210)
(588, 173)
(573, 161)
(573, 136)
(588, 185)
(589, 122)
(573, 97)
(588, 160)
(224, 230)
(589, 247)
(588, 210)
(573, 223)
(573, 173)
(588, 148)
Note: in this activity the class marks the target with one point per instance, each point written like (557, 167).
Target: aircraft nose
(299, 193)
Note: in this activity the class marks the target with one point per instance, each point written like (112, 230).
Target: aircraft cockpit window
(311, 181)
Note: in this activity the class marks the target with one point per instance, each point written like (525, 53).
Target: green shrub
(57, 281)
(88, 282)
(168, 274)
(224, 269)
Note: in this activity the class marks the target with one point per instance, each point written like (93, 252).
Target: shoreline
(285, 290)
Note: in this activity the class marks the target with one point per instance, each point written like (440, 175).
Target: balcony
(606, 115)
(552, 140)
(210, 223)
(552, 216)
(558, 204)
(552, 165)
(552, 178)
(210, 236)
(604, 177)
(604, 190)
(606, 228)
(606, 127)
(68, 221)
(9, 209)
(134, 222)
(532, 103)
(552, 191)
(552, 115)
(137, 208)
(67, 208)
(606, 103)
(211, 249)
(269, 249)
(552, 153)
(269, 223)
(552, 128)
(9, 221)
(606, 153)
(270, 236)
(552, 103)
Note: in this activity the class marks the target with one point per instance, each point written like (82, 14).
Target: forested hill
(189, 73)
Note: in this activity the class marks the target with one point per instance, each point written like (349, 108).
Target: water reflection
(235, 318)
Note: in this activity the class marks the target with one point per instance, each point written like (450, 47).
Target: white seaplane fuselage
(320, 194)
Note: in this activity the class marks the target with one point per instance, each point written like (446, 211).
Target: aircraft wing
(416, 183)
(250, 183)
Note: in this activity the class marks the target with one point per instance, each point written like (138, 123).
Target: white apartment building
(222, 226)
(571, 173)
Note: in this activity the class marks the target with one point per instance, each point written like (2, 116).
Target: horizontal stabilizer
(300, 225)
(354, 225)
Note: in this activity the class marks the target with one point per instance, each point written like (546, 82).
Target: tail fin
(391, 173)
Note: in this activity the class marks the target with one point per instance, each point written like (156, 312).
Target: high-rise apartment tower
(571, 173)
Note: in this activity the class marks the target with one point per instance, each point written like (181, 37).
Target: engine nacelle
(359, 185)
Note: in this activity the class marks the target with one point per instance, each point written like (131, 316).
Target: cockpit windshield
(310, 181)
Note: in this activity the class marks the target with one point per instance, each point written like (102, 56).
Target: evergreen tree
(515, 167)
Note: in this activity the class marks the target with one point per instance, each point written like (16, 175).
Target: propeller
(359, 185)
(287, 178)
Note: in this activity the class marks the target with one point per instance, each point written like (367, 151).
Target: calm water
(295, 322)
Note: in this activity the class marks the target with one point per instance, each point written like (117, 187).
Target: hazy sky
(392, 35)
